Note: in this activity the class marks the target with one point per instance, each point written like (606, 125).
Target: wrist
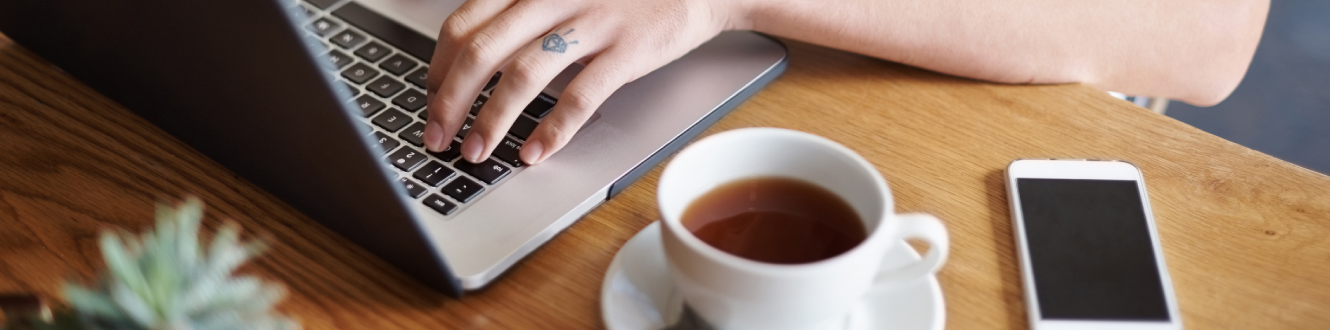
(738, 13)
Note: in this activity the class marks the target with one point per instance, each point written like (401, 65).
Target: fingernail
(434, 136)
(531, 152)
(472, 146)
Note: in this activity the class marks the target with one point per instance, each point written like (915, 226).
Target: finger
(605, 74)
(477, 60)
(457, 29)
(523, 79)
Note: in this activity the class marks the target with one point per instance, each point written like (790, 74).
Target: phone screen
(1090, 250)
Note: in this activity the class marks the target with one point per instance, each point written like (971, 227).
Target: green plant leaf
(124, 268)
(89, 302)
(132, 305)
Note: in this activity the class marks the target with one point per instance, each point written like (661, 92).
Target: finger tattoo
(556, 43)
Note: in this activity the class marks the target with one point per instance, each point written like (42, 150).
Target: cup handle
(927, 228)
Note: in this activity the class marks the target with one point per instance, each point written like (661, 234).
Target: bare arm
(1191, 50)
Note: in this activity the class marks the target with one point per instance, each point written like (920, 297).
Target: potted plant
(163, 279)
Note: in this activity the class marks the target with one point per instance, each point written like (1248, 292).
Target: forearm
(1191, 50)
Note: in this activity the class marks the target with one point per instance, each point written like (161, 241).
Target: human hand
(618, 40)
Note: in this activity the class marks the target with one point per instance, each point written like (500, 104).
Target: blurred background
(1282, 106)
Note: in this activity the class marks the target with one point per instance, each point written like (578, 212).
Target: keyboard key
(338, 59)
(360, 73)
(411, 100)
(489, 171)
(462, 189)
(385, 86)
(406, 159)
(466, 127)
(309, 13)
(373, 51)
(439, 204)
(494, 80)
(480, 102)
(419, 77)
(508, 152)
(314, 42)
(392, 120)
(322, 4)
(323, 27)
(413, 189)
(523, 127)
(453, 151)
(415, 135)
(393, 33)
(434, 173)
(368, 105)
(348, 39)
(540, 106)
(354, 91)
(387, 143)
(398, 64)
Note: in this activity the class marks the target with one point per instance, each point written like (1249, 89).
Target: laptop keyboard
(385, 66)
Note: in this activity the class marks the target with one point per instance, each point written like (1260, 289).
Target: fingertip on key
(472, 146)
(434, 136)
(532, 151)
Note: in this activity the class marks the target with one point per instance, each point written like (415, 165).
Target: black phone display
(1090, 250)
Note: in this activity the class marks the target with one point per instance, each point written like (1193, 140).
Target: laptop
(320, 103)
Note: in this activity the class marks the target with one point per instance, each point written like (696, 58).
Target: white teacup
(732, 292)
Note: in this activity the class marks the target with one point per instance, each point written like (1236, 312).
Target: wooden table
(1246, 236)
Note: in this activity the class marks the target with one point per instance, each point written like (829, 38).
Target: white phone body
(1061, 173)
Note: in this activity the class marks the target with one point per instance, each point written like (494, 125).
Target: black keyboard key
(415, 135)
(439, 204)
(373, 51)
(480, 102)
(322, 4)
(434, 173)
(359, 73)
(368, 105)
(509, 151)
(387, 143)
(406, 159)
(411, 100)
(466, 127)
(453, 151)
(540, 106)
(348, 39)
(338, 59)
(489, 171)
(385, 86)
(523, 127)
(323, 27)
(413, 189)
(392, 120)
(410, 41)
(398, 64)
(462, 189)
(419, 78)
(494, 80)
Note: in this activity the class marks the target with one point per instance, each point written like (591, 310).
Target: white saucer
(638, 293)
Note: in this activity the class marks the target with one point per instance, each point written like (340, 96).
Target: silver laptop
(321, 102)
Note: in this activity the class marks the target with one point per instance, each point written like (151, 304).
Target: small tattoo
(555, 43)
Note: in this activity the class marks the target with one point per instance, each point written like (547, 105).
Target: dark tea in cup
(775, 220)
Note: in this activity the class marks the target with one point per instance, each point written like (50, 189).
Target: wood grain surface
(1246, 236)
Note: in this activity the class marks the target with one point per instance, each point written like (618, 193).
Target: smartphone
(1089, 251)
